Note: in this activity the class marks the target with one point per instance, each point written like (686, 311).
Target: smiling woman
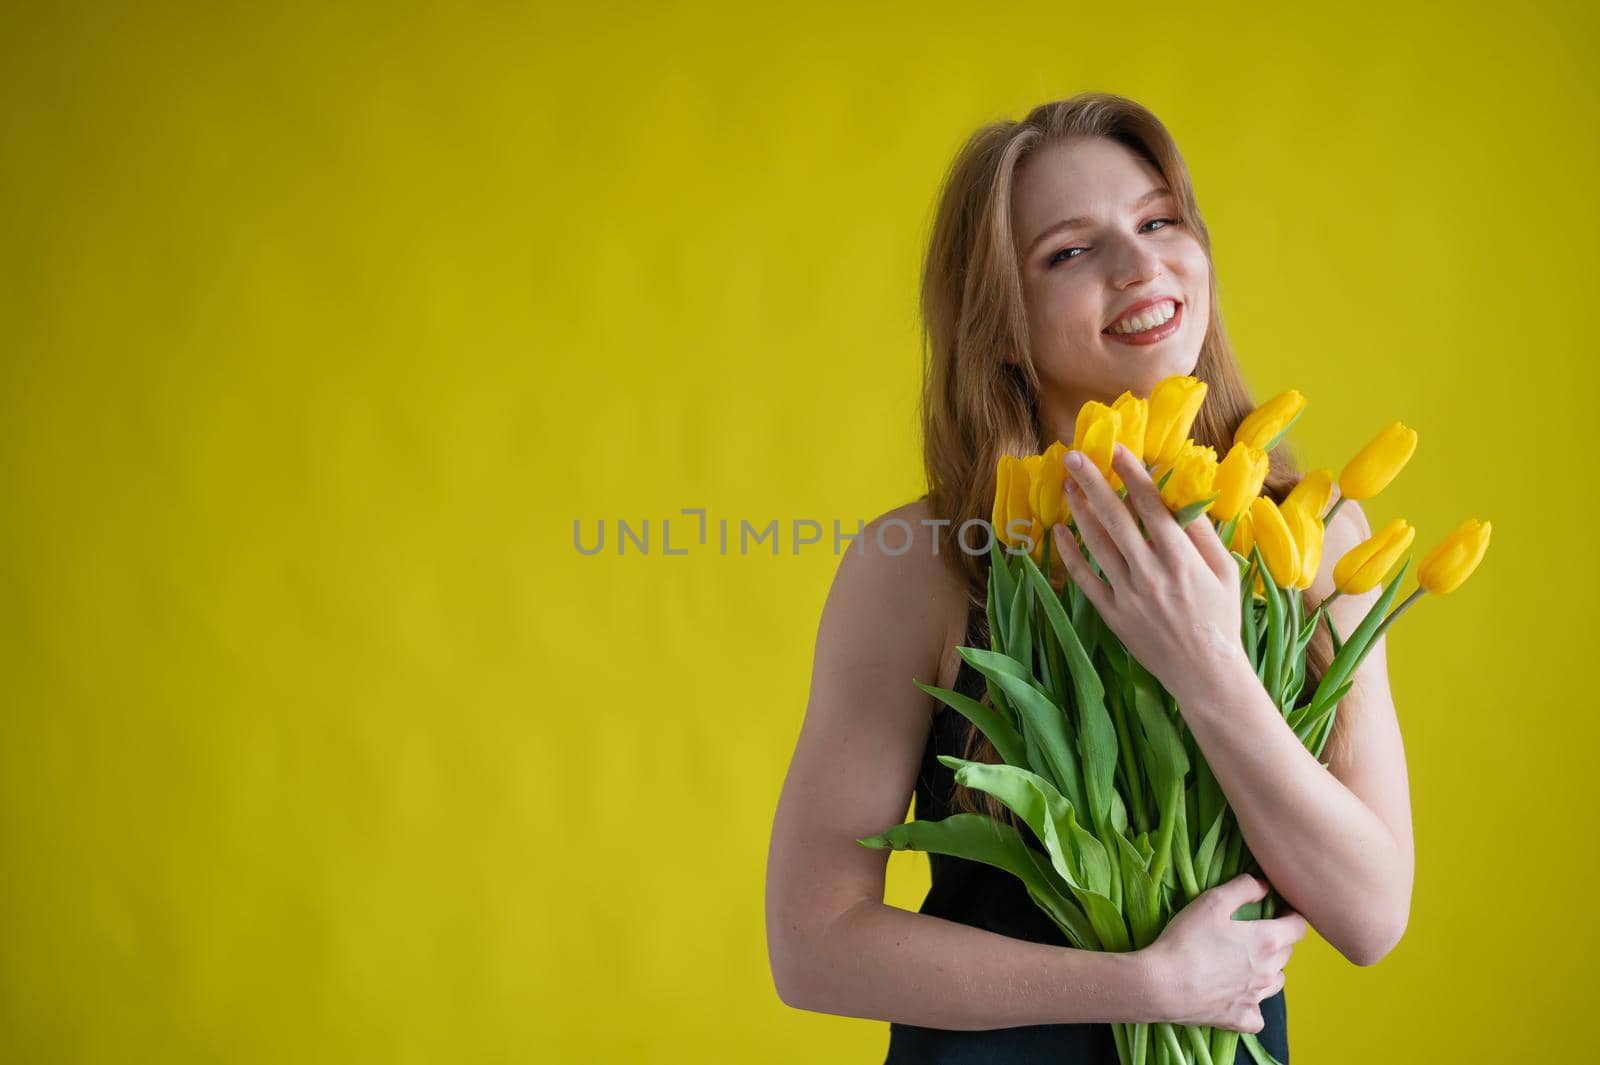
(1068, 263)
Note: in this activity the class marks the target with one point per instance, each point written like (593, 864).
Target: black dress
(985, 897)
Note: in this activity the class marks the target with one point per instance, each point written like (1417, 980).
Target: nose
(1137, 262)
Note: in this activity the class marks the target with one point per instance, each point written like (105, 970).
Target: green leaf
(1077, 856)
(1209, 800)
(1190, 511)
(1358, 643)
(982, 839)
(1272, 664)
(1019, 630)
(1230, 861)
(1006, 739)
(1250, 633)
(1182, 853)
(1119, 814)
(1097, 741)
(1318, 718)
(1002, 586)
(1140, 898)
(1168, 762)
(1106, 919)
(1205, 854)
(1043, 723)
(1214, 875)
(1068, 916)
(1165, 757)
(1133, 782)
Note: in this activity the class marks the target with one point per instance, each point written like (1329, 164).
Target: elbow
(797, 955)
(790, 985)
(1379, 930)
(786, 959)
(1376, 943)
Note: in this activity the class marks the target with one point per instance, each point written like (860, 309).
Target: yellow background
(324, 323)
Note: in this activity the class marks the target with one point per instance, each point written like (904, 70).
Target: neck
(1058, 417)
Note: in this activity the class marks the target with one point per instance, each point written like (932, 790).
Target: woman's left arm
(1336, 843)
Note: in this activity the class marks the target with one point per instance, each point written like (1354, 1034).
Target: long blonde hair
(977, 403)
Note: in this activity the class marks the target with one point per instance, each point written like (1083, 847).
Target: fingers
(1290, 927)
(1204, 536)
(1096, 590)
(1104, 519)
(1240, 890)
(1165, 534)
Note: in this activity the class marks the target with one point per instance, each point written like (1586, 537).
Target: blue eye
(1056, 258)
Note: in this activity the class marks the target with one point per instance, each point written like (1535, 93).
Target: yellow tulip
(1133, 415)
(1002, 494)
(1193, 472)
(1174, 404)
(1267, 422)
(1031, 466)
(1367, 563)
(1095, 434)
(1013, 512)
(1243, 541)
(1045, 492)
(1243, 538)
(1307, 530)
(1276, 543)
(1455, 557)
(1240, 475)
(1375, 465)
(1311, 493)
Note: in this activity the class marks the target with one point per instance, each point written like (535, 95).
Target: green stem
(1133, 783)
(1325, 730)
(1338, 641)
(1182, 860)
(1394, 614)
(1202, 1053)
(1170, 1039)
(1328, 517)
(1163, 844)
(1224, 1045)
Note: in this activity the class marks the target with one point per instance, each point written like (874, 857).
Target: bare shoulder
(898, 573)
(889, 619)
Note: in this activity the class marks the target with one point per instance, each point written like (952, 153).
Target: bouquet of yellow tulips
(1128, 823)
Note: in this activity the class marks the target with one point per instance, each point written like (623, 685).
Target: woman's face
(1125, 251)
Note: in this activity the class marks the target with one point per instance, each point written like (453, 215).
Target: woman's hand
(1214, 970)
(1172, 599)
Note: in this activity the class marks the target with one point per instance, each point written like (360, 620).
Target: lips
(1129, 312)
(1153, 335)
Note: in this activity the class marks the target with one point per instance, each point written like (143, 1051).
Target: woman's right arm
(836, 947)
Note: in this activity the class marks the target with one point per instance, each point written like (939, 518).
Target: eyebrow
(1075, 223)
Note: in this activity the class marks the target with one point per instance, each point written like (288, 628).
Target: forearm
(1324, 850)
(886, 963)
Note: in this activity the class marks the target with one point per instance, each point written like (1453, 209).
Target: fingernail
(1075, 460)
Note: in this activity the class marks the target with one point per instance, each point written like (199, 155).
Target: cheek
(1066, 310)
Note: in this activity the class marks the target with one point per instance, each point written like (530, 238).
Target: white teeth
(1147, 319)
